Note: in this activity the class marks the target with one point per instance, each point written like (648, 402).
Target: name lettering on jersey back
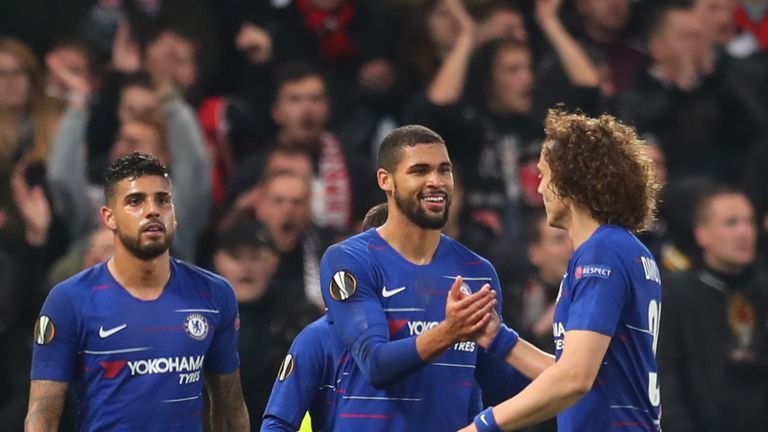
(188, 367)
(651, 270)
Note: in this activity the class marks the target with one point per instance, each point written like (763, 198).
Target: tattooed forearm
(228, 410)
(46, 401)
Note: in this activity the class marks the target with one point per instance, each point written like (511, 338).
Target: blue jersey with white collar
(137, 365)
(613, 288)
(378, 303)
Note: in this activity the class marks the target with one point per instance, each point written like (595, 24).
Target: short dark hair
(601, 164)
(376, 216)
(245, 232)
(131, 166)
(156, 123)
(269, 176)
(404, 136)
(295, 71)
(701, 209)
(658, 18)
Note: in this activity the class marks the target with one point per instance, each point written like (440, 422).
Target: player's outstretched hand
(467, 315)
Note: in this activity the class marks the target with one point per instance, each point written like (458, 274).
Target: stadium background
(230, 90)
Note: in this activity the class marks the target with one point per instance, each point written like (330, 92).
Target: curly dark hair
(601, 164)
(131, 166)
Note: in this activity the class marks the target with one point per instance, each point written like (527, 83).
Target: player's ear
(108, 218)
(385, 180)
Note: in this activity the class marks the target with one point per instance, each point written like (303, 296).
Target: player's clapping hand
(467, 315)
(485, 335)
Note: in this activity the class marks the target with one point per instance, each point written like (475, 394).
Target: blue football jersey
(613, 288)
(307, 380)
(137, 365)
(378, 303)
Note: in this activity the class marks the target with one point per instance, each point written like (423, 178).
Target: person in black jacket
(713, 343)
(246, 256)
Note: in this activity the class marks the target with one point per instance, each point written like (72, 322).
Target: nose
(151, 209)
(435, 180)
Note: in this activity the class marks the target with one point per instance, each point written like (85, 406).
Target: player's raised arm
(46, 402)
(228, 411)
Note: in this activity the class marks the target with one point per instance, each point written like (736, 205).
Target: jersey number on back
(654, 315)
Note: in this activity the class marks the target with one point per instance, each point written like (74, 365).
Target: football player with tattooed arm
(143, 335)
(597, 184)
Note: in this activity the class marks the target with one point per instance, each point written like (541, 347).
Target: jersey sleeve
(348, 286)
(297, 382)
(599, 291)
(222, 357)
(496, 285)
(56, 338)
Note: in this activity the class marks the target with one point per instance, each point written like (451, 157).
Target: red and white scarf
(336, 207)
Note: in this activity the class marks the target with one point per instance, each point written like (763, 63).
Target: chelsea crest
(196, 326)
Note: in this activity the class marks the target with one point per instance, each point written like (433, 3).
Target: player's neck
(417, 245)
(143, 279)
(581, 226)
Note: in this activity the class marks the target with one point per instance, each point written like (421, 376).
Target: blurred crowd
(268, 114)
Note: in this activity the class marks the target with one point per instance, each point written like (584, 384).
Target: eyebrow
(134, 195)
(144, 194)
(426, 165)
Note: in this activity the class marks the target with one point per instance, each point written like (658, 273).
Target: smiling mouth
(434, 200)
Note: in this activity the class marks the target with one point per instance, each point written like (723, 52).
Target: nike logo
(107, 333)
(389, 293)
(482, 419)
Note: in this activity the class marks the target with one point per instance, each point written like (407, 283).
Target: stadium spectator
(682, 88)
(606, 25)
(490, 105)
(341, 190)
(529, 296)
(720, 303)
(246, 256)
(27, 117)
(281, 201)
